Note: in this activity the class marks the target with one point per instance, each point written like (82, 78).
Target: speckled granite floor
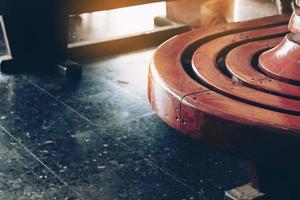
(97, 138)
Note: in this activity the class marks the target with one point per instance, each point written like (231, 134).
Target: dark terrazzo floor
(98, 138)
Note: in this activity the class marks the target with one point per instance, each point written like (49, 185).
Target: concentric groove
(210, 86)
(246, 71)
(188, 52)
(178, 52)
(205, 65)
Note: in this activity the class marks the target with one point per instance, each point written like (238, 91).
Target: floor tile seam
(97, 127)
(151, 162)
(94, 125)
(35, 157)
(167, 173)
(81, 115)
(63, 103)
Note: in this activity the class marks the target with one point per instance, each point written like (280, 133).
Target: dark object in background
(284, 6)
(38, 35)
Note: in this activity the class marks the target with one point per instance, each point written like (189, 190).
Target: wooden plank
(81, 6)
(90, 49)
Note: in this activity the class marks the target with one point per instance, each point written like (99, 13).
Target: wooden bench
(207, 85)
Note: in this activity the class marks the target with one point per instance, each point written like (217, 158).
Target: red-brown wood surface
(201, 84)
(206, 67)
(282, 62)
(168, 81)
(239, 64)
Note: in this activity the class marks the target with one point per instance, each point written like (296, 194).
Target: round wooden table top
(208, 84)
